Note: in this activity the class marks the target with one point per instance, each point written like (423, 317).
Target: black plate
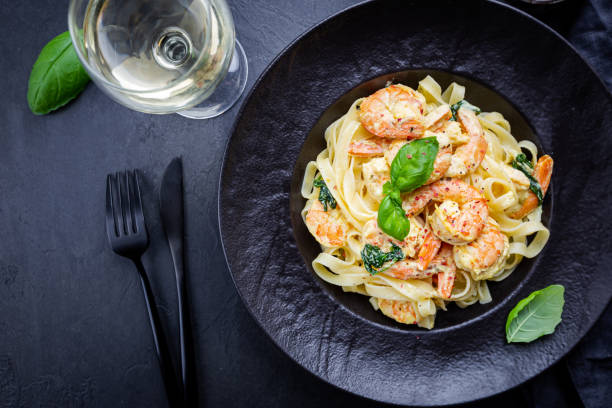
(511, 63)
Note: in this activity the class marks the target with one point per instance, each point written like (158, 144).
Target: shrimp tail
(446, 282)
(429, 249)
(542, 172)
(447, 270)
(365, 148)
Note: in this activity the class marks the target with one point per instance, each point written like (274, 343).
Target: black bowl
(510, 63)
(477, 94)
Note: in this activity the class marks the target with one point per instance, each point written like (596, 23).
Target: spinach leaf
(57, 76)
(521, 163)
(522, 160)
(463, 104)
(413, 164)
(391, 217)
(374, 258)
(536, 315)
(325, 196)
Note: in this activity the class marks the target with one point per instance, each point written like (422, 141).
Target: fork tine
(116, 193)
(121, 207)
(129, 219)
(111, 225)
(138, 213)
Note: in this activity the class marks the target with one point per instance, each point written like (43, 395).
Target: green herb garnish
(57, 76)
(413, 164)
(522, 160)
(374, 258)
(392, 219)
(410, 168)
(521, 163)
(325, 196)
(463, 104)
(536, 315)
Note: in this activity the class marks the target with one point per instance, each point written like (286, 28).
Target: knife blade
(172, 216)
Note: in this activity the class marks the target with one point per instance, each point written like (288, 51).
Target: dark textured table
(73, 328)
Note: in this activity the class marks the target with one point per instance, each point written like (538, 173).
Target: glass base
(227, 92)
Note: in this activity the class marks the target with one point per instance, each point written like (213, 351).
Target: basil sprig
(325, 196)
(536, 315)
(374, 258)
(521, 163)
(57, 76)
(410, 168)
(463, 104)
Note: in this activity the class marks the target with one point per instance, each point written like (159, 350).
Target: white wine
(162, 55)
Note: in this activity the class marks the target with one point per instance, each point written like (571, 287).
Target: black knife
(171, 209)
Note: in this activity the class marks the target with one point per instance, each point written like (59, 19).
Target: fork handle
(161, 346)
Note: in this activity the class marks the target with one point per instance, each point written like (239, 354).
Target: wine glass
(161, 56)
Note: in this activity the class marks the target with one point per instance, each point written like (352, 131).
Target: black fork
(127, 234)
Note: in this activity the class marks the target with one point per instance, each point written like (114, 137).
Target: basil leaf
(374, 258)
(387, 188)
(57, 76)
(521, 163)
(463, 104)
(536, 315)
(395, 195)
(325, 196)
(391, 217)
(413, 164)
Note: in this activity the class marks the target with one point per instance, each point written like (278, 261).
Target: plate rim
(224, 163)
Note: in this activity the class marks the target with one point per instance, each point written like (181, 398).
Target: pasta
(344, 188)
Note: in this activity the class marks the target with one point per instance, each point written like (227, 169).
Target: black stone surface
(73, 329)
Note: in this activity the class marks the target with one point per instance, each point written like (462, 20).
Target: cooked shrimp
(365, 148)
(429, 249)
(419, 237)
(328, 227)
(376, 172)
(468, 156)
(408, 269)
(436, 118)
(418, 268)
(485, 256)
(441, 164)
(394, 112)
(447, 270)
(459, 218)
(542, 172)
(373, 235)
(452, 131)
(399, 310)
